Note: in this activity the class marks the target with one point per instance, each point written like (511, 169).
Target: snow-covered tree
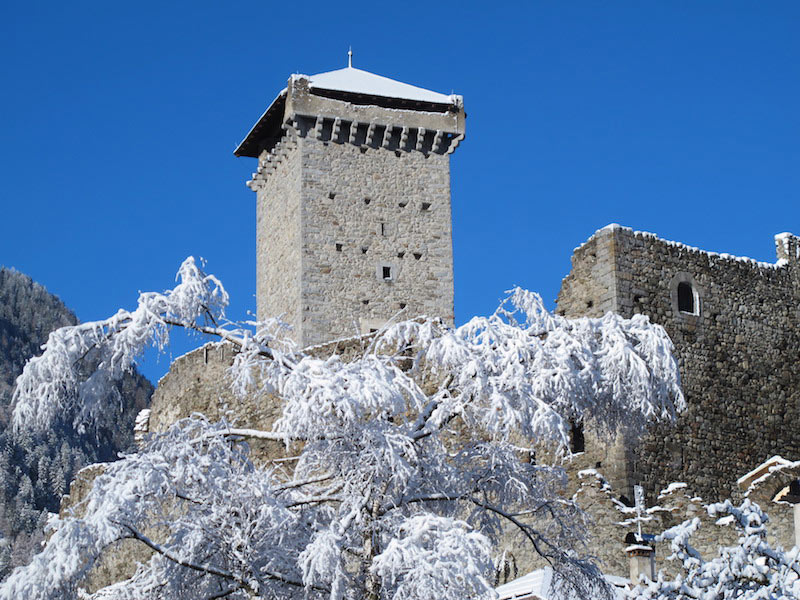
(405, 464)
(750, 570)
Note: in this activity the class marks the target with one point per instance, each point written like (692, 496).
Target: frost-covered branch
(410, 465)
(750, 570)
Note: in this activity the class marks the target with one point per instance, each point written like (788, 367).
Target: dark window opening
(402, 305)
(387, 272)
(365, 302)
(373, 329)
(367, 200)
(417, 255)
(331, 195)
(383, 228)
(577, 442)
(401, 254)
(363, 149)
(363, 249)
(590, 304)
(338, 247)
(426, 206)
(686, 298)
(402, 203)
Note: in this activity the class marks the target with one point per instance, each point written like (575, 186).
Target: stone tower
(353, 195)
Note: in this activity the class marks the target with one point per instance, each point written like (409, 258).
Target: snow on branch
(750, 570)
(410, 465)
(57, 382)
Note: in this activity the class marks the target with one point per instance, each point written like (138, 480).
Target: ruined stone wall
(738, 352)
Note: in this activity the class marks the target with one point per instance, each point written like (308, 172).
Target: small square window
(338, 247)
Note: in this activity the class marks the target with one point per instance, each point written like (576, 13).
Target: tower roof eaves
(358, 81)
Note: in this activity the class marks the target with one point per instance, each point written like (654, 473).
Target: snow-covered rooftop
(358, 81)
(538, 585)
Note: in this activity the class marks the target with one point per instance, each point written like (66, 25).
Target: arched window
(686, 296)
(686, 301)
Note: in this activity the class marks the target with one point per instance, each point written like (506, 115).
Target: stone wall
(366, 212)
(278, 243)
(737, 351)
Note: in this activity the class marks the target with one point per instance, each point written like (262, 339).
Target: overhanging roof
(350, 85)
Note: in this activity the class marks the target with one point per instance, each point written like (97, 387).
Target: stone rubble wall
(738, 356)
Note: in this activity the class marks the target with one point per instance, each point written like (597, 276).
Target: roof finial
(350, 58)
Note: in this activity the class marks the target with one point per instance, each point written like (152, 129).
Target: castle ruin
(354, 229)
(734, 322)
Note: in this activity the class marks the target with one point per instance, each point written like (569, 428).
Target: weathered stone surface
(737, 352)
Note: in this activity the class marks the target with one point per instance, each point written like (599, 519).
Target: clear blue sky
(119, 121)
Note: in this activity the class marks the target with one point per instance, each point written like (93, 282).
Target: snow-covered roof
(535, 584)
(746, 480)
(358, 81)
(538, 585)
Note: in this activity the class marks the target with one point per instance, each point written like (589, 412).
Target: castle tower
(353, 194)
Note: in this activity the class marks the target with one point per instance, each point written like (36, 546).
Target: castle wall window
(386, 272)
(685, 298)
(685, 295)
(577, 441)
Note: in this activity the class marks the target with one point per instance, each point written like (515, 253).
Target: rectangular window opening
(387, 272)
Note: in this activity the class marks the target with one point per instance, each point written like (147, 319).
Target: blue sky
(119, 122)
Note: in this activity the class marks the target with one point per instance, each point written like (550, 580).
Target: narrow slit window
(686, 300)
(386, 272)
(383, 228)
(577, 442)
